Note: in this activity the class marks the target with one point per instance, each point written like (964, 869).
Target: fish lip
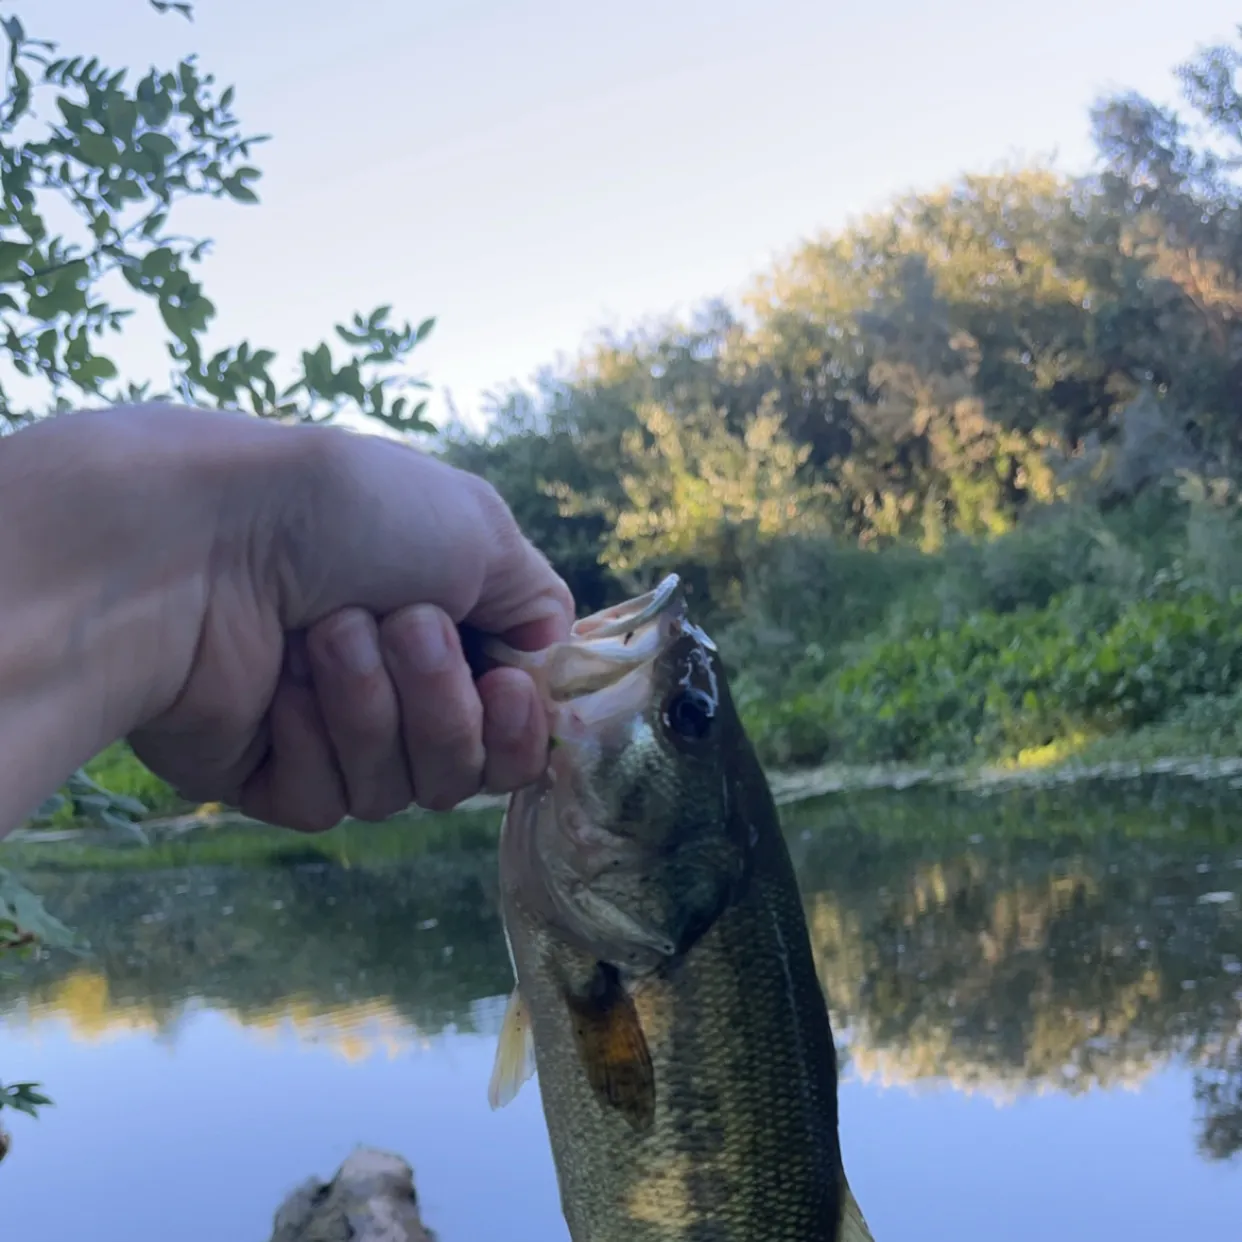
(632, 636)
(632, 614)
(606, 647)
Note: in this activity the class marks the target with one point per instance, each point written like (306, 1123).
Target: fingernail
(352, 644)
(424, 641)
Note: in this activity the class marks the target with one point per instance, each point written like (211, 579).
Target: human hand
(288, 602)
(347, 688)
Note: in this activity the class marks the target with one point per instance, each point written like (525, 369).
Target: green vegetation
(1002, 683)
(402, 838)
(93, 168)
(956, 483)
(1039, 938)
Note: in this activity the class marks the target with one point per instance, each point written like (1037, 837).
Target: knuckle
(448, 775)
(440, 800)
(489, 499)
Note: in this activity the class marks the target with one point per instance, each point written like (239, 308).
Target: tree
(114, 161)
(92, 170)
(1169, 181)
(954, 362)
(703, 500)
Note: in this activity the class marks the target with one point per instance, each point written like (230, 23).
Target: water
(1038, 999)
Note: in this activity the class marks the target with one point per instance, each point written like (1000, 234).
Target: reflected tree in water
(1002, 943)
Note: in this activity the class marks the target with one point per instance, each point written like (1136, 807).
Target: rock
(371, 1199)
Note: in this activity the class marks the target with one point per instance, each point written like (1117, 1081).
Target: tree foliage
(944, 368)
(93, 168)
(1021, 941)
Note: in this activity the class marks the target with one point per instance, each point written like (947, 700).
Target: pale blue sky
(529, 171)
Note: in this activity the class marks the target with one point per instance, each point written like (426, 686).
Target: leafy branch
(113, 160)
(121, 159)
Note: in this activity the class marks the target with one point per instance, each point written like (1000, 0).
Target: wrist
(106, 536)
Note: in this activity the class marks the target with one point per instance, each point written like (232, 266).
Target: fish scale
(689, 1096)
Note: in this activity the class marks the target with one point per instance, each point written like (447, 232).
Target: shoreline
(788, 788)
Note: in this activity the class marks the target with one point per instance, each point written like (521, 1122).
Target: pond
(1037, 998)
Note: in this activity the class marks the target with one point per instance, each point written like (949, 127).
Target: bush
(1001, 682)
(120, 771)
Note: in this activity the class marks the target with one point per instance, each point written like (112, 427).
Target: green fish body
(666, 991)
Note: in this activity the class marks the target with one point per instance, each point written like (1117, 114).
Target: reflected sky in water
(201, 1141)
(948, 956)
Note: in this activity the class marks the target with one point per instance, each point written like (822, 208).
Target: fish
(666, 996)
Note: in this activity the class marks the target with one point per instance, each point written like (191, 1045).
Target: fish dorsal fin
(853, 1226)
(515, 1053)
(613, 1049)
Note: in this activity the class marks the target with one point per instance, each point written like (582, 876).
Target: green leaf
(128, 190)
(11, 254)
(238, 190)
(160, 145)
(127, 828)
(64, 297)
(159, 262)
(45, 346)
(98, 150)
(93, 370)
(175, 320)
(21, 906)
(51, 807)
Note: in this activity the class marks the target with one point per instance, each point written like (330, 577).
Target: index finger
(380, 525)
(521, 598)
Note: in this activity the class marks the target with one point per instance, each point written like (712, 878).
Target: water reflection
(1053, 942)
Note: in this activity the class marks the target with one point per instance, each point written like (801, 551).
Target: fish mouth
(632, 614)
(606, 647)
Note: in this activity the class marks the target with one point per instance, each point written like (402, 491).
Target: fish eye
(689, 714)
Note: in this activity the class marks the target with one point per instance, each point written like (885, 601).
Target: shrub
(1000, 682)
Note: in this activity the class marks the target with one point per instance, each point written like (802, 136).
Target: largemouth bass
(666, 993)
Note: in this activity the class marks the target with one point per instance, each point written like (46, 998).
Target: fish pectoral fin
(853, 1226)
(515, 1053)
(614, 1051)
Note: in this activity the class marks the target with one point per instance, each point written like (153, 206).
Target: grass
(350, 844)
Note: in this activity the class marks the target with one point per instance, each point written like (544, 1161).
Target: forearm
(92, 558)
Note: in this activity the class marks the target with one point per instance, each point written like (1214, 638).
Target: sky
(531, 172)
